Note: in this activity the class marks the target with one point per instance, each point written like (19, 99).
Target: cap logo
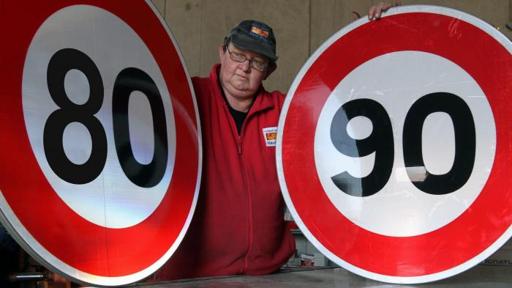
(259, 31)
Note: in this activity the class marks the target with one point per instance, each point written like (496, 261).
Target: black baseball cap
(254, 36)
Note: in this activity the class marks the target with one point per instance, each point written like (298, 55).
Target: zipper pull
(239, 147)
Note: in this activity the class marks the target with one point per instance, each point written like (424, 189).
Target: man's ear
(271, 67)
(222, 51)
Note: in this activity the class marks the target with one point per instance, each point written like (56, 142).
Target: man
(238, 226)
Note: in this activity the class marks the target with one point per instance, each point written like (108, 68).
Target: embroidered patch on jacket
(270, 135)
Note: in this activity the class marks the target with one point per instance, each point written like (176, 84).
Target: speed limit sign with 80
(101, 151)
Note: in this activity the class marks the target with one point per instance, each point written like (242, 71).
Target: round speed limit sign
(394, 145)
(101, 149)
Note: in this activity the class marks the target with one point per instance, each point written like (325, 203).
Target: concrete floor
(479, 276)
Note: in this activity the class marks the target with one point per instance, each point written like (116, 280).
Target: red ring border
(452, 245)
(76, 242)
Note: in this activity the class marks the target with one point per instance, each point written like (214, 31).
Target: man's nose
(246, 65)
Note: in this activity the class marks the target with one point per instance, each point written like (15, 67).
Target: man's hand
(376, 11)
(58, 280)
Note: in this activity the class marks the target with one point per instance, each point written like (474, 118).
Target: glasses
(255, 63)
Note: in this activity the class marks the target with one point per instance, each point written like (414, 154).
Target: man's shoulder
(272, 94)
(276, 96)
(206, 82)
(202, 86)
(200, 81)
(270, 99)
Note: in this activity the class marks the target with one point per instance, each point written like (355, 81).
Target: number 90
(380, 142)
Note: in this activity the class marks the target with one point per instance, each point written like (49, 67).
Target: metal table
(479, 276)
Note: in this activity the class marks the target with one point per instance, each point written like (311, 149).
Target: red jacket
(238, 225)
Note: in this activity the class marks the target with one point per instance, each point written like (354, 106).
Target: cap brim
(247, 43)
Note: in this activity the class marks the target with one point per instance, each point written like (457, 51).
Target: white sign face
(124, 203)
(419, 212)
(100, 173)
(394, 142)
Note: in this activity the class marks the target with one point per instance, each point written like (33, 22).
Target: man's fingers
(372, 12)
(376, 11)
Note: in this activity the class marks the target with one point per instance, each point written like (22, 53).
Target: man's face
(239, 79)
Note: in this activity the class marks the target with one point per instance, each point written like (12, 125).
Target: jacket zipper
(249, 197)
(239, 143)
(239, 146)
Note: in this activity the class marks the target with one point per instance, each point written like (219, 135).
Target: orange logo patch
(259, 31)
(270, 136)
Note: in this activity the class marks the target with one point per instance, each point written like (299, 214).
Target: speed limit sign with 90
(101, 149)
(394, 145)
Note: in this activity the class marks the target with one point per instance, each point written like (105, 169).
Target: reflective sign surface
(100, 169)
(393, 145)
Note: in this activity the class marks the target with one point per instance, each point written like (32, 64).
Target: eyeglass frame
(242, 58)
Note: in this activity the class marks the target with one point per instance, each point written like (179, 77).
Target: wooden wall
(300, 26)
